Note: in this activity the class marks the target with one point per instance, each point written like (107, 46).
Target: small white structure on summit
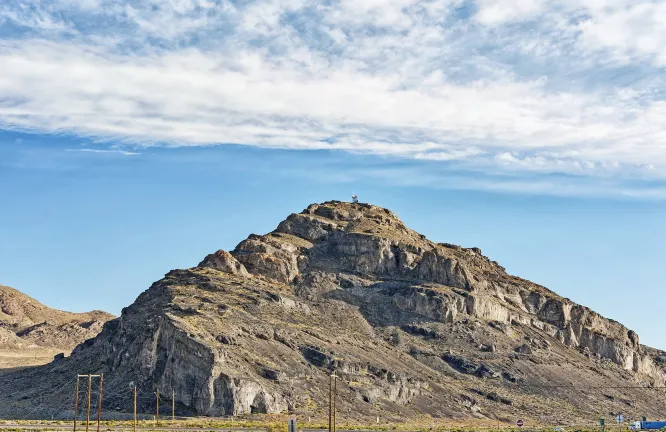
(354, 198)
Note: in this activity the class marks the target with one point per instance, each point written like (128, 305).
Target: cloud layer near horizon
(493, 85)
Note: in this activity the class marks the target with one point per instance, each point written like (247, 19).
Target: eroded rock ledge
(372, 242)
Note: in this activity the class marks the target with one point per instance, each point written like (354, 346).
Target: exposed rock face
(373, 242)
(410, 326)
(224, 262)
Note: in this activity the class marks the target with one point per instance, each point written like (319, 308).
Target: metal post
(134, 424)
(89, 391)
(99, 404)
(76, 402)
(173, 405)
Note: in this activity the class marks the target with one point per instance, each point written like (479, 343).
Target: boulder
(524, 349)
(224, 262)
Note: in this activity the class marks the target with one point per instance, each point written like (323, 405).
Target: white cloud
(415, 79)
(623, 30)
(629, 30)
(500, 11)
(100, 151)
(21, 13)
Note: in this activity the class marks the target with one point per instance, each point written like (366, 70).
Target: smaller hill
(32, 333)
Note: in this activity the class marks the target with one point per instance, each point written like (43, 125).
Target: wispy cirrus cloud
(102, 151)
(514, 86)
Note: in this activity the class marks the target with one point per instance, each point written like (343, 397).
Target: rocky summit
(413, 329)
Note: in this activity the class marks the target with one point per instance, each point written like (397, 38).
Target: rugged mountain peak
(371, 244)
(318, 221)
(357, 238)
(363, 245)
(411, 326)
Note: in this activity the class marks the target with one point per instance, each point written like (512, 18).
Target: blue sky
(137, 136)
(84, 230)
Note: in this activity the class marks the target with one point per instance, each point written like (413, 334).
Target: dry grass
(279, 423)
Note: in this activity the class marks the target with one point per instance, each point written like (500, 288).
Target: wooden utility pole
(330, 403)
(157, 407)
(332, 396)
(99, 404)
(134, 424)
(335, 399)
(173, 405)
(76, 402)
(89, 391)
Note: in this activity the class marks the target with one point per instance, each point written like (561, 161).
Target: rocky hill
(31, 333)
(414, 329)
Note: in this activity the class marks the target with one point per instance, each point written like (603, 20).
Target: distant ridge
(26, 323)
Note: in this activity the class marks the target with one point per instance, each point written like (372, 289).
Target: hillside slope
(31, 333)
(414, 329)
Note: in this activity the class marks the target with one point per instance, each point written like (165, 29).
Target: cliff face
(412, 327)
(372, 242)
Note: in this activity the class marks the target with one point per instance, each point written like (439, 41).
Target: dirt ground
(11, 360)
